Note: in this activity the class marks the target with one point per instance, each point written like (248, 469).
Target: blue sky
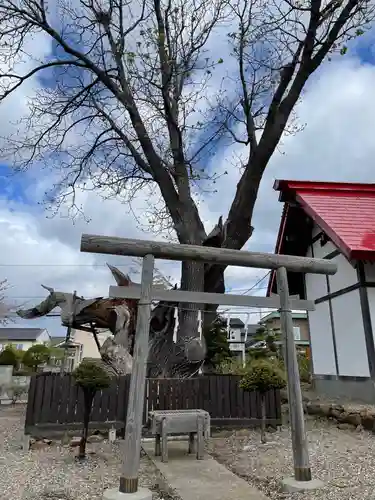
(337, 144)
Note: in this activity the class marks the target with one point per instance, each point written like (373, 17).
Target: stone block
(290, 485)
(115, 494)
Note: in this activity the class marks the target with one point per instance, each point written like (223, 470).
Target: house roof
(276, 314)
(236, 322)
(345, 212)
(252, 329)
(55, 341)
(10, 334)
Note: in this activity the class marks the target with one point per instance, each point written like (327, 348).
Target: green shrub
(90, 377)
(36, 356)
(304, 368)
(9, 356)
(231, 366)
(262, 376)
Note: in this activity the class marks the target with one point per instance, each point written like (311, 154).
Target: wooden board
(130, 292)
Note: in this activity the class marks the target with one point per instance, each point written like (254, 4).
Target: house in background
(23, 338)
(240, 336)
(334, 221)
(81, 345)
(300, 326)
(235, 328)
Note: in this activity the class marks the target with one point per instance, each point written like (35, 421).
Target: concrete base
(115, 494)
(290, 485)
(359, 389)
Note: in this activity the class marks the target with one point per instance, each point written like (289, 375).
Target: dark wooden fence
(55, 403)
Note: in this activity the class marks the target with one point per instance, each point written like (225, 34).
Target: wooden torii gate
(149, 250)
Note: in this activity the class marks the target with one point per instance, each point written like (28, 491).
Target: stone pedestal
(291, 485)
(115, 494)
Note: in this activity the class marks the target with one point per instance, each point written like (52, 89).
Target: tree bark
(263, 418)
(88, 397)
(192, 273)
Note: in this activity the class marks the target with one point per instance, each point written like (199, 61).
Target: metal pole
(133, 429)
(302, 471)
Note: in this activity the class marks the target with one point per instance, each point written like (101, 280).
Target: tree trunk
(192, 273)
(88, 397)
(263, 418)
(192, 279)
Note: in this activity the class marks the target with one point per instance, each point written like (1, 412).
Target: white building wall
(322, 340)
(86, 339)
(370, 276)
(234, 334)
(347, 318)
(43, 337)
(346, 274)
(316, 284)
(350, 335)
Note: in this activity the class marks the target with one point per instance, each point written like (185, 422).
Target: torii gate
(149, 250)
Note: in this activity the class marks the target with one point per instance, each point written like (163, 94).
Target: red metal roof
(344, 211)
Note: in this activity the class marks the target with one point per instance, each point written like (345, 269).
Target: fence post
(133, 428)
(302, 471)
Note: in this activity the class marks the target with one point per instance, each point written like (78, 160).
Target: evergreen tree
(217, 343)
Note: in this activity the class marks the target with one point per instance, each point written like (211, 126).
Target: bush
(262, 376)
(9, 356)
(304, 368)
(90, 377)
(231, 366)
(36, 356)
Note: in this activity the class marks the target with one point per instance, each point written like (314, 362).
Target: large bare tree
(132, 97)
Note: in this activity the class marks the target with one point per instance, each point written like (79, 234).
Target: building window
(20, 347)
(297, 332)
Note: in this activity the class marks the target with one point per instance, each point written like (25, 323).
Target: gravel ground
(343, 459)
(53, 474)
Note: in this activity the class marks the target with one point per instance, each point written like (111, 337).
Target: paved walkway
(204, 479)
